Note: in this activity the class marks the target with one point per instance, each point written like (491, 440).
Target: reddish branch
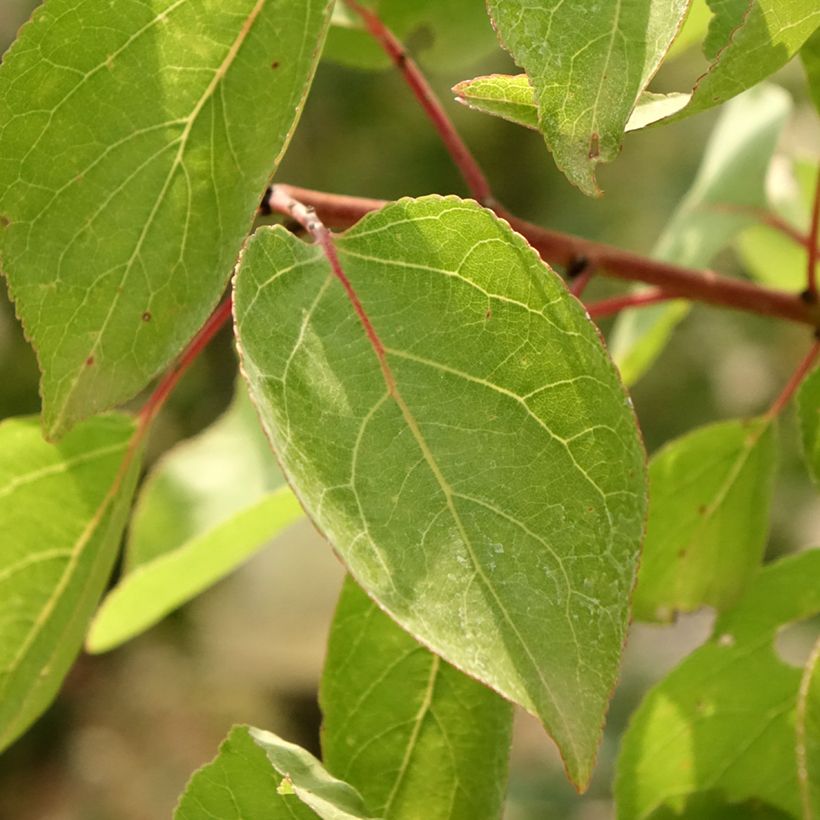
(796, 380)
(476, 181)
(814, 235)
(768, 218)
(609, 307)
(561, 249)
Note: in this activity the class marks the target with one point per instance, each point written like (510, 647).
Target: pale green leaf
(132, 158)
(443, 34)
(512, 99)
(62, 511)
(710, 493)
(808, 736)
(259, 776)
(492, 500)
(808, 413)
(693, 30)
(731, 176)
(415, 736)
(588, 67)
(209, 504)
(810, 55)
(723, 722)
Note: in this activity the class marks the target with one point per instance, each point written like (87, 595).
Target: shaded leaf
(62, 511)
(587, 69)
(484, 479)
(724, 720)
(415, 736)
(808, 414)
(210, 504)
(810, 55)
(131, 165)
(259, 776)
(732, 173)
(710, 495)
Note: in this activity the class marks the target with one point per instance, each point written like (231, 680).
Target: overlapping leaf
(205, 509)
(259, 776)
(482, 476)
(808, 413)
(62, 511)
(730, 180)
(710, 495)
(415, 736)
(132, 157)
(587, 70)
(723, 723)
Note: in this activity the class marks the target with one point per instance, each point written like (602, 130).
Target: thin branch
(765, 217)
(461, 155)
(609, 307)
(560, 249)
(795, 381)
(814, 235)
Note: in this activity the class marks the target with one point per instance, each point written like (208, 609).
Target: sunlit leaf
(588, 68)
(484, 479)
(209, 505)
(710, 495)
(62, 511)
(132, 159)
(259, 776)
(731, 178)
(724, 720)
(810, 55)
(415, 736)
(808, 412)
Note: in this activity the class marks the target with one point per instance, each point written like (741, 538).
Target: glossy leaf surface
(132, 159)
(482, 479)
(710, 498)
(587, 69)
(723, 722)
(62, 512)
(415, 736)
(259, 776)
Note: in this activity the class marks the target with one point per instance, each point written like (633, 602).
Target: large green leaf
(723, 722)
(709, 498)
(415, 736)
(810, 55)
(62, 511)
(808, 735)
(732, 174)
(132, 159)
(483, 480)
(588, 69)
(808, 412)
(209, 505)
(259, 776)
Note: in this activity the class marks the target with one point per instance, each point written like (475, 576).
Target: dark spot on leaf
(489, 313)
(594, 150)
(4, 221)
(146, 317)
(275, 64)
(89, 361)
(702, 509)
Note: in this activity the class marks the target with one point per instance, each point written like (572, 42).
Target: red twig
(579, 276)
(561, 249)
(814, 235)
(476, 181)
(766, 218)
(609, 307)
(795, 381)
(215, 323)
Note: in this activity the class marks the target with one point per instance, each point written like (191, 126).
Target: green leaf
(414, 735)
(132, 159)
(210, 504)
(810, 55)
(808, 413)
(732, 174)
(710, 494)
(259, 776)
(588, 69)
(512, 99)
(693, 30)
(445, 35)
(491, 498)
(724, 720)
(62, 511)
(808, 735)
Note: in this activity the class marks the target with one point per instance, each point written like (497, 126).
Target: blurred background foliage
(129, 727)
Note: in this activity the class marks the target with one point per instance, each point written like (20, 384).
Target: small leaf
(732, 173)
(259, 776)
(588, 68)
(62, 511)
(209, 505)
(808, 735)
(483, 479)
(131, 165)
(724, 720)
(414, 735)
(808, 413)
(810, 55)
(710, 493)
